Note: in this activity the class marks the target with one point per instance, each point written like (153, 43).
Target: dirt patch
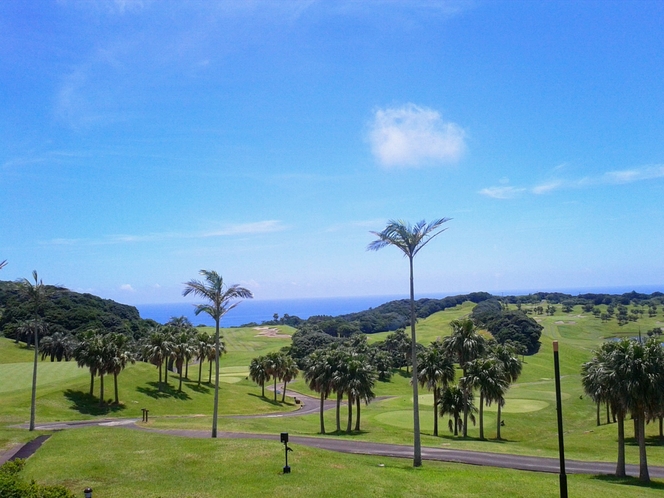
(560, 322)
(270, 332)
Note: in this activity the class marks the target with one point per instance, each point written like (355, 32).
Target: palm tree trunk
(275, 389)
(417, 445)
(210, 374)
(101, 389)
(200, 371)
(456, 424)
(283, 395)
(498, 425)
(481, 415)
(215, 410)
(33, 398)
(322, 409)
(166, 373)
(358, 402)
(115, 383)
(92, 383)
(161, 364)
(186, 371)
(349, 425)
(435, 411)
(661, 427)
(263, 389)
(620, 466)
(644, 476)
(180, 386)
(339, 395)
(598, 422)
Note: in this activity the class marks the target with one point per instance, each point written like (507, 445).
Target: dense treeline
(508, 326)
(390, 316)
(70, 312)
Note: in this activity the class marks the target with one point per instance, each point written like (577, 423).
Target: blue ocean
(258, 311)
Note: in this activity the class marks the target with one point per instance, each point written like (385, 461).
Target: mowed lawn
(529, 414)
(118, 463)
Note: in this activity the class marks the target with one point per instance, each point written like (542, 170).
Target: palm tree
(466, 345)
(274, 364)
(454, 402)
(3, 264)
(361, 385)
(181, 351)
(220, 300)
(508, 356)
(318, 374)
(436, 370)
(410, 239)
(486, 375)
(212, 354)
(203, 348)
(289, 372)
(58, 346)
(258, 373)
(157, 351)
(118, 358)
(36, 293)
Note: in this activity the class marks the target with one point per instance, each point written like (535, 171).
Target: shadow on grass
(167, 391)
(271, 400)
(650, 441)
(89, 405)
(629, 481)
(203, 389)
(404, 374)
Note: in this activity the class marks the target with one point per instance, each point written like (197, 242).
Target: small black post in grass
(559, 410)
(284, 439)
(87, 492)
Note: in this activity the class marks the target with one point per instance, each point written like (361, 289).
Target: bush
(11, 485)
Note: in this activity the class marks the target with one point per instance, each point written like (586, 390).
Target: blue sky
(141, 141)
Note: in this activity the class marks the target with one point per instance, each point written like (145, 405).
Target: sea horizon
(263, 310)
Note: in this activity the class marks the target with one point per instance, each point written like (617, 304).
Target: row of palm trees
(103, 354)
(175, 345)
(277, 366)
(343, 370)
(487, 368)
(628, 375)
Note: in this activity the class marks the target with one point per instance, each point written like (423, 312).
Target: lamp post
(559, 410)
(284, 439)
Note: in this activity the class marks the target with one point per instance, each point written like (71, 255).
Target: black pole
(559, 410)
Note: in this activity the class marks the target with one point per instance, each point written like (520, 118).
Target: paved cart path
(518, 462)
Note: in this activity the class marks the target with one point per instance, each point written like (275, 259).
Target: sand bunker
(270, 332)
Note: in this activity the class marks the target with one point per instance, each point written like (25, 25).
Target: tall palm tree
(508, 356)
(274, 366)
(318, 374)
(289, 372)
(36, 293)
(258, 372)
(454, 402)
(203, 348)
(486, 375)
(410, 239)
(119, 357)
(181, 351)
(219, 299)
(466, 344)
(436, 370)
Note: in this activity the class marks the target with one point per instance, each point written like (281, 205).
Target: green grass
(156, 465)
(529, 414)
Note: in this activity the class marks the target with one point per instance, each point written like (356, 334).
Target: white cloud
(413, 136)
(634, 175)
(127, 288)
(258, 227)
(502, 192)
(547, 187)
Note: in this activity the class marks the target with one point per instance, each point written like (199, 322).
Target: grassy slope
(528, 432)
(155, 465)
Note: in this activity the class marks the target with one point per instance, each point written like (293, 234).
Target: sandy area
(270, 332)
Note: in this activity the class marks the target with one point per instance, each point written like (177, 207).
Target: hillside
(68, 311)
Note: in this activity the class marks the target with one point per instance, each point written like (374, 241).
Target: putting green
(229, 380)
(512, 405)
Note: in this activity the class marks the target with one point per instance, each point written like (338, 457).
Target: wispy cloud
(504, 192)
(258, 227)
(619, 177)
(411, 136)
(127, 288)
